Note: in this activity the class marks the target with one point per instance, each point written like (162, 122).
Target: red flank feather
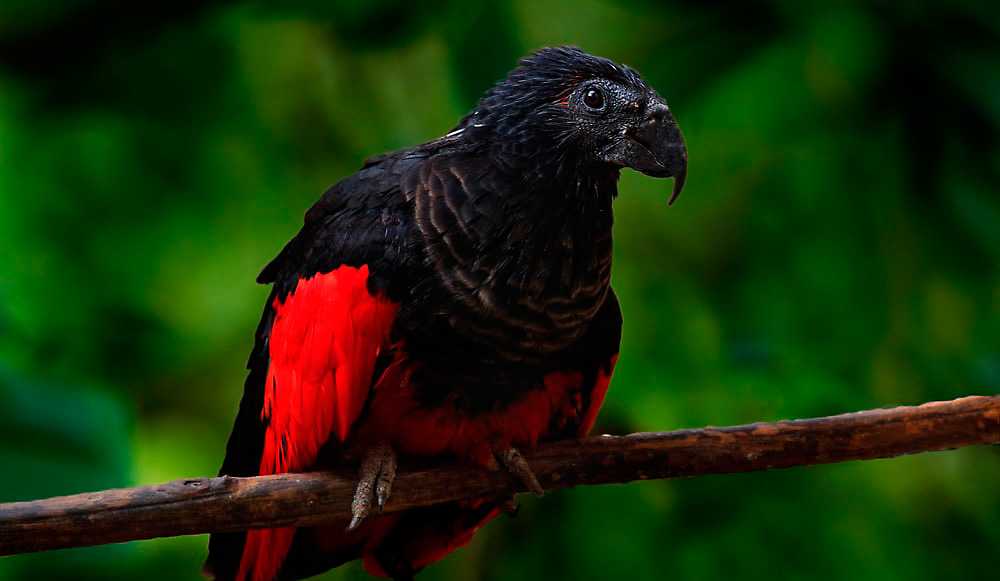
(421, 431)
(323, 344)
(597, 398)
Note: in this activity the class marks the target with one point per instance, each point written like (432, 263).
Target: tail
(427, 535)
(397, 546)
(243, 453)
(264, 549)
(394, 546)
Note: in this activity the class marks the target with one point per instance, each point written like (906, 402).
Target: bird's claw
(508, 506)
(511, 459)
(378, 470)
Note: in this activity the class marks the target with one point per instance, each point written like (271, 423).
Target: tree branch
(201, 505)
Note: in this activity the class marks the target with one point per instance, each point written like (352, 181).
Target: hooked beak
(654, 147)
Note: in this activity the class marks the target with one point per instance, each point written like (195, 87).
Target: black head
(582, 113)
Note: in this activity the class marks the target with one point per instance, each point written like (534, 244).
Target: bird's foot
(515, 463)
(378, 470)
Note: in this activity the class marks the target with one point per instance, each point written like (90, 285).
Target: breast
(520, 274)
(531, 307)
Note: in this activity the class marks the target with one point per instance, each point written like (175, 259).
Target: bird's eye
(593, 98)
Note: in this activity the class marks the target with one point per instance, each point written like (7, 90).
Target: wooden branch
(201, 505)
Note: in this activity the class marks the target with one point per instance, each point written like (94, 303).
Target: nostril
(658, 112)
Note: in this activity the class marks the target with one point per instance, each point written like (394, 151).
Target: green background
(836, 249)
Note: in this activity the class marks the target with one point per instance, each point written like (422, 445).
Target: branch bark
(203, 505)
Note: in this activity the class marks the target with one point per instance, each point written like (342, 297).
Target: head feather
(521, 115)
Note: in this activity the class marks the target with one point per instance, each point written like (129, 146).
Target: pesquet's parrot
(449, 300)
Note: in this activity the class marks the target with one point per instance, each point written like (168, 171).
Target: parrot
(449, 301)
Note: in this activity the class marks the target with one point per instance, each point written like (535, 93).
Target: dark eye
(593, 98)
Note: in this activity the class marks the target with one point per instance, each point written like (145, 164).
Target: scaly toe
(386, 476)
(378, 470)
(515, 463)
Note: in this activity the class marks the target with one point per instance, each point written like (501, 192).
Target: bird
(450, 300)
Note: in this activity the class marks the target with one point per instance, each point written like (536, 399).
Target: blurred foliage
(837, 248)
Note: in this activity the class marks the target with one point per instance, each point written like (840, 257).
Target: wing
(328, 317)
(325, 337)
(324, 340)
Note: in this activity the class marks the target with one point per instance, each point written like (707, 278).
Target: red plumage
(323, 344)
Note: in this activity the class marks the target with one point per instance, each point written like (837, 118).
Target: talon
(515, 463)
(386, 476)
(355, 521)
(378, 470)
(508, 506)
